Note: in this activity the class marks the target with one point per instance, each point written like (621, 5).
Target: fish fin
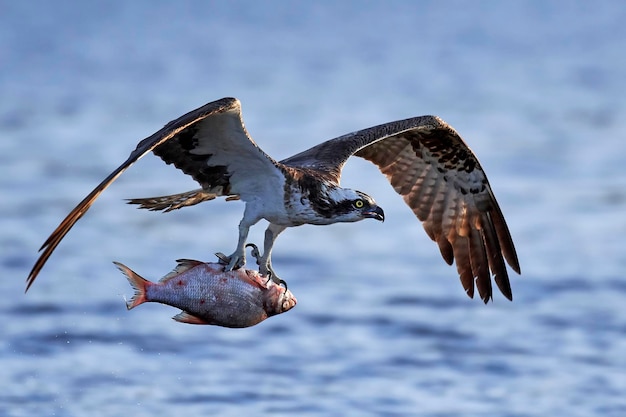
(183, 265)
(138, 283)
(185, 317)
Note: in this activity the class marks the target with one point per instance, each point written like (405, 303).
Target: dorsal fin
(182, 266)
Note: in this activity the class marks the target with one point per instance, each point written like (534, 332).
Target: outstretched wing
(441, 180)
(210, 143)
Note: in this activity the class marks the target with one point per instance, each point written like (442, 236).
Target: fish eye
(359, 203)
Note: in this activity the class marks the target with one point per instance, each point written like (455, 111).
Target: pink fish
(208, 295)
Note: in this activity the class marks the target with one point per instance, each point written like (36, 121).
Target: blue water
(382, 326)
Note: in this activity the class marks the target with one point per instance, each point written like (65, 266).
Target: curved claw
(278, 281)
(283, 283)
(255, 252)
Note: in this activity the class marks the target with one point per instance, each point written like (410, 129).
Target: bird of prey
(424, 159)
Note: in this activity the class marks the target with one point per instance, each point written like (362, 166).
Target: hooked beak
(375, 213)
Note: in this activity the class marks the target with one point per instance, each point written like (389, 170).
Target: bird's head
(351, 206)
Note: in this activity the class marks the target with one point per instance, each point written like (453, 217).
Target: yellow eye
(359, 203)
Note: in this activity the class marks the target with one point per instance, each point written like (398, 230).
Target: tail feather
(138, 283)
(167, 203)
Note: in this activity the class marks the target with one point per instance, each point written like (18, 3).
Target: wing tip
(34, 272)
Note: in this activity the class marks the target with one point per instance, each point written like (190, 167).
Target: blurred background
(382, 327)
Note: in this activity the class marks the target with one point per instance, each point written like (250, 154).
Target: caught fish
(209, 295)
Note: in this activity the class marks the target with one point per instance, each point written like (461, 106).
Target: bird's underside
(423, 158)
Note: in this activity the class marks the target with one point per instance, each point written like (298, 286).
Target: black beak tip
(377, 213)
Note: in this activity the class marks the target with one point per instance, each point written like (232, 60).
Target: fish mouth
(288, 301)
(376, 213)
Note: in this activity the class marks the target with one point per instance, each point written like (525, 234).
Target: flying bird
(424, 159)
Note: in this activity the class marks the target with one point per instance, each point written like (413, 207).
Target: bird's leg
(238, 258)
(265, 260)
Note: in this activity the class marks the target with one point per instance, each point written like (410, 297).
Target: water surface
(382, 327)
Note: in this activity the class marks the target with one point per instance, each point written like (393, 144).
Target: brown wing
(439, 177)
(209, 143)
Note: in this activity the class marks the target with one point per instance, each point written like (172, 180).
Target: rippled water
(382, 327)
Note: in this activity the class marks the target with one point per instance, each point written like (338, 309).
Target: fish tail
(138, 283)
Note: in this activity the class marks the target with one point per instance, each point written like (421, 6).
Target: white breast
(264, 197)
(299, 210)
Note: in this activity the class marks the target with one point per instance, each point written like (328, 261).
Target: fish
(207, 294)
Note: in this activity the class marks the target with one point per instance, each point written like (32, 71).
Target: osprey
(424, 159)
